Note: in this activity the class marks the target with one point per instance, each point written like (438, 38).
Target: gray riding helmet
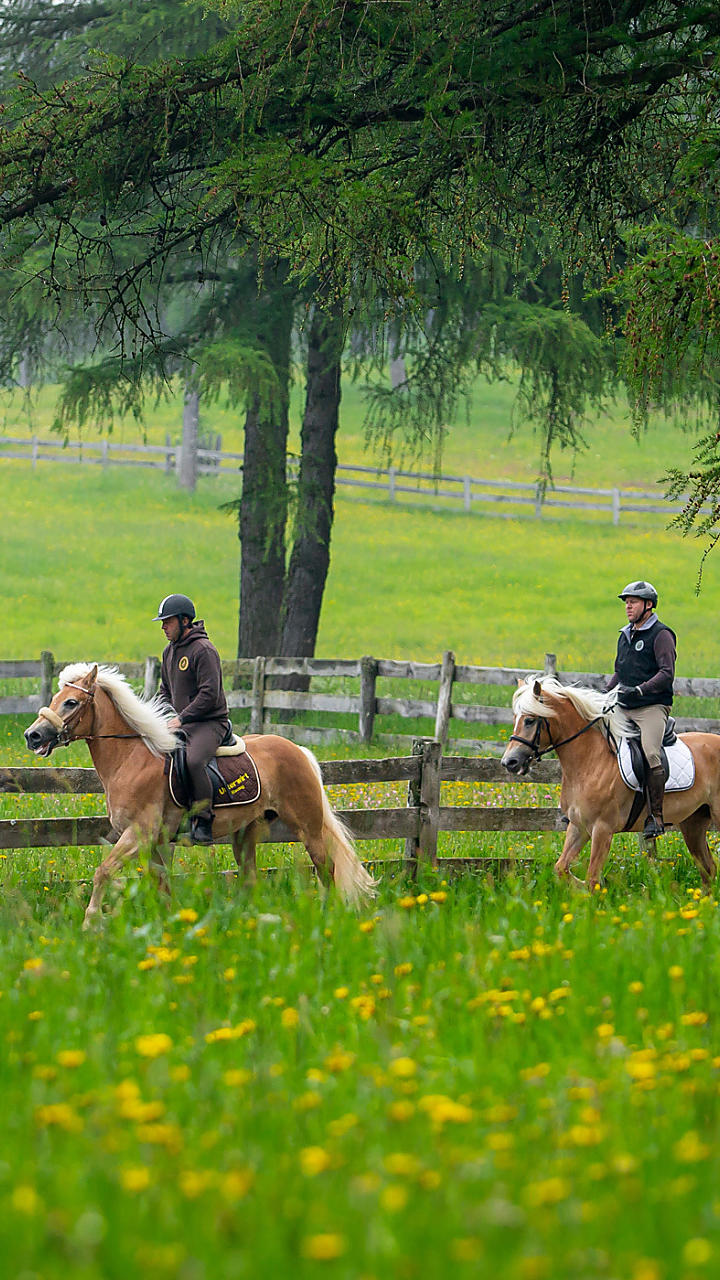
(175, 607)
(643, 590)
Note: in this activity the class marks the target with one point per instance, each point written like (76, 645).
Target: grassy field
(491, 1077)
(486, 438)
(499, 1080)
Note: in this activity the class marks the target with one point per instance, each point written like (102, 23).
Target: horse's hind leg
(575, 840)
(161, 856)
(244, 841)
(694, 830)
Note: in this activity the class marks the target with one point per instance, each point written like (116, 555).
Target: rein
(532, 743)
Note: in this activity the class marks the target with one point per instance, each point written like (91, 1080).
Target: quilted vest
(636, 664)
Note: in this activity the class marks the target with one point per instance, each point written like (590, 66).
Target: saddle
(233, 775)
(677, 761)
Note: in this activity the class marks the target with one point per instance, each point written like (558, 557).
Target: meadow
(483, 1074)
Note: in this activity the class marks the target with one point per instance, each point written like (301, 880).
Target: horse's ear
(91, 677)
(537, 690)
(520, 682)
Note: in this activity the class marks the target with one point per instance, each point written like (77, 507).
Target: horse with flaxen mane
(583, 726)
(129, 739)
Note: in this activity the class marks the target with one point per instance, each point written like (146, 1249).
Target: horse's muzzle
(41, 738)
(514, 763)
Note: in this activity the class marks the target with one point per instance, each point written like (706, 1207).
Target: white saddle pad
(680, 760)
(235, 748)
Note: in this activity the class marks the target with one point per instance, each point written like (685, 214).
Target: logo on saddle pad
(234, 778)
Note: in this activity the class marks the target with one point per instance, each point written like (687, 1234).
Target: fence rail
(461, 492)
(417, 824)
(256, 706)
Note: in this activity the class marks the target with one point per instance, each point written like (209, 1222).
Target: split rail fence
(362, 691)
(417, 824)
(509, 498)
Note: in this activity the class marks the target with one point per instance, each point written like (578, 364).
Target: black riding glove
(629, 695)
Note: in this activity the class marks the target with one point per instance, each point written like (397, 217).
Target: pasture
(494, 1077)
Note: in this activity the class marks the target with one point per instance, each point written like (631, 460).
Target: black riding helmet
(176, 606)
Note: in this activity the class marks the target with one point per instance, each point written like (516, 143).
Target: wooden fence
(509, 498)
(417, 824)
(355, 691)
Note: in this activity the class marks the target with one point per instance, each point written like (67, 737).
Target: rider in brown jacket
(191, 684)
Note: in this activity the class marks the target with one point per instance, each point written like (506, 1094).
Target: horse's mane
(148, 719)
(589, 703)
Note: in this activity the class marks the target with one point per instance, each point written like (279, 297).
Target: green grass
(85, 557)
(480, 441)
(500, 1080)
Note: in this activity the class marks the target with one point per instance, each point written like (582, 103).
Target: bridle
(533, 743)
(63, 727)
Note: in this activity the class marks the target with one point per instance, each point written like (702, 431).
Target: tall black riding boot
(201, 827)
(655, 792)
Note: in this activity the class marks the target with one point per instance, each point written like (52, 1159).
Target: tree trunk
(310, 557)
(264, 501)
(191, 422)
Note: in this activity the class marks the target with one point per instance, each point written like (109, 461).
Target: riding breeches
(651, 722)
(203, 739)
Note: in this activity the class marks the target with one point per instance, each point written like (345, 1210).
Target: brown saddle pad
(235, 780)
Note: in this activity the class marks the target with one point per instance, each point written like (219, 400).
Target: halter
(64, 726)
(532, 743)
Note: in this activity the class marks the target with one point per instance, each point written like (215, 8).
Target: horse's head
(530, 737)
(69, 716)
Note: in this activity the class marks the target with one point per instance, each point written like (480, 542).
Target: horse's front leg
(575, 840)
(600, 841)
(124, 849)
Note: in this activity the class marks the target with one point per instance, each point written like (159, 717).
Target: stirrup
(653, 828)
(201, 829)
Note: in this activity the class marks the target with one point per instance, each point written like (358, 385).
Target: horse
(129, 739)
(582, 725)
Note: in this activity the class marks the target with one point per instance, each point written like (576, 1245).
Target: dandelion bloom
(324, 1247)
(290, 1018)
(70, 1057)
(134, 1178)
(153, 1045)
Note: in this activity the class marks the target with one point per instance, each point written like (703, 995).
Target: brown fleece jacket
(191, 680)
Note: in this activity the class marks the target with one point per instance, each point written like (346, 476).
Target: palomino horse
(579, 724)
(128, 739)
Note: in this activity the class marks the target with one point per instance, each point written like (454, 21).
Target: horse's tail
(352, 881)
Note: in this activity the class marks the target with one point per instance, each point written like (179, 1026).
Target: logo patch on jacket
(184, 663)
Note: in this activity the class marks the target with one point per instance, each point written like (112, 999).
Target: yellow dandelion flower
(134, 1178)
(314, 1160)
(187, 915)
(697, 1252)
(153, 1045)
(324, 1247)
(25, 1199)
(70, 1057)
(341, 993)
(394, 1197)
(235, 1184)
(403, 1068)
(290, 1018)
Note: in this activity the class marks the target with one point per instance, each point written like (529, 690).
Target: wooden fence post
(47, 664)
(368, 682)
(550, 664)
(258, 695)
(152, 677)
(425, 795)
(444, 702)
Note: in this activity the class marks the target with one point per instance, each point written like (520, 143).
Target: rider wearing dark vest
(191, 685)
(644, 673)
